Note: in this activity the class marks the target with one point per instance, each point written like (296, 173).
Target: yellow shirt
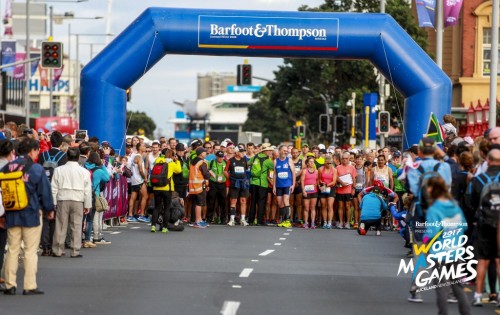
(173, 168)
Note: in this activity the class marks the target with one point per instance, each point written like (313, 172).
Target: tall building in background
(214, 83)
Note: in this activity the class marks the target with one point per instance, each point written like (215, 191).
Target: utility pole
(51, 72)
(494, 65)
(381, 85)
(28, 65)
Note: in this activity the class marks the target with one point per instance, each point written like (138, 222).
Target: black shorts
(485, 244)
(311, 196)
(200, 199)
(129, 188)
(331, 194)
(235, 193)
(344, 197)
(281, 191)
(137, 188)
(297, 190)
(356, 192)
(150, 189)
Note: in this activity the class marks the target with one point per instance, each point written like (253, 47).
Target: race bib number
(309, 188)
(239, 169)
(359, 186)
(327, 190)
(297, 169)
(283, 175)
(219, 179)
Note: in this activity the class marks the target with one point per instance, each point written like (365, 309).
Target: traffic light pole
(51, 73)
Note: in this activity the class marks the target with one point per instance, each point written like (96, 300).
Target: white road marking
(277, 244)
(236, 286)
(267, 252)
(282, 238)
(245, 273)
(255, 260)
(286, 233)
(230, 308)
(289, 230)
(135, 227)
(115, 233)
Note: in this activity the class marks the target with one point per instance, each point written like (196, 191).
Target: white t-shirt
(136, 178)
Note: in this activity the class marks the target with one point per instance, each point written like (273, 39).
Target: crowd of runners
(199, 184)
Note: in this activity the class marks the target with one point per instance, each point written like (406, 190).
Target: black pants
(217, 198)
(47, 232)
(3, 242)
(259, 195)
(163, 199)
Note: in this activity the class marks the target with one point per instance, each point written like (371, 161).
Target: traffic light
(340, 125)
(244, 75)
(301, 131)
(324, 123)
(129, 94)
(52, 55)
(384, 121)
(295, 132)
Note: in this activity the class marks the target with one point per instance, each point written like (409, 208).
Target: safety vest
(196, 179)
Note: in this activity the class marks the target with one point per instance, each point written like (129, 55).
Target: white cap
(223, 144)
(321, 146)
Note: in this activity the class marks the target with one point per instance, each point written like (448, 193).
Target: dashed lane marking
(267, 252)
(245, 273)
(255, 260)
(135, 227)
(289, 230)
(230, 308)
(286, 234)
(115, 233)
(282, 238)
(277, 244)
(236, 286)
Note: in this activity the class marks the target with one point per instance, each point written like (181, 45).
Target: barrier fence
(116, 195)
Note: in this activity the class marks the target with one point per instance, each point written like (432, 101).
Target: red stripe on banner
(293, 48)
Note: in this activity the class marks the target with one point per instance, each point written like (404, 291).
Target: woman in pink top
(346, 177)
(309, 183)
(327, 182)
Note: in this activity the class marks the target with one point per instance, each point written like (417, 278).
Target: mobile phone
(80, 134)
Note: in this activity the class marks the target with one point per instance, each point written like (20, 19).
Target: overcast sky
(174, 77)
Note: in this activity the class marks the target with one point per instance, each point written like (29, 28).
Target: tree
(304, 88)
(140, 120)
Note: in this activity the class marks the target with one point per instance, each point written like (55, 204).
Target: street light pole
(28, 65)
(51, 73)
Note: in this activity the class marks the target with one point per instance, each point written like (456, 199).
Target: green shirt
(218, 169)
(259, 172)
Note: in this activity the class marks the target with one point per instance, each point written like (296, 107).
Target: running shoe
(476, 301)
(199, 225)
(164, 230)
(286, 224)
(347, 226)
(453, 299)
(493, 298)
(305, 226)
(102, 241)
(243, 223)
(415, 298)
(144, 219)
(325, 226)
(132, 219)
(313, 227)
(355, 226)
(153, 229)
(231, 223)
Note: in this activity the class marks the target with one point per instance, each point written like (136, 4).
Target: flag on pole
(34, 64)
(44, 77)
(434, 129)
(7, 19)
(20, 69)
(451, 12)
(426, 11)
(8, 54)
(57, 75)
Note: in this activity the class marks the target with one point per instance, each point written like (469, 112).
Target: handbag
(101, 204)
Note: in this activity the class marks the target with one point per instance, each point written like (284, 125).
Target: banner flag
(57, 75)
(426, 11)
(451, 12)
(20, 69)
(44, 76)
(8, 54)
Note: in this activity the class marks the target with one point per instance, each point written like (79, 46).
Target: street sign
(244, 88)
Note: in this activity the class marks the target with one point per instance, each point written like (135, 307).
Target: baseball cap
(321, 146)
(219, 154)
(427, 145)
(229, 144)
(397, 154)
(200, 150)
(223, 144)
(239, 148)
(305, 145)
(266, 147)
(155, 141)
(180, 147)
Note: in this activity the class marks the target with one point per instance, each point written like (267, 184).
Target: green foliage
(304, 87)
(140, 121)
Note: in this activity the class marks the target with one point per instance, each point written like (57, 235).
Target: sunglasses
(208, 147)
(328, 163)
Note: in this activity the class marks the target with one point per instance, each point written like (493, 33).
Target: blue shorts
(280, 191)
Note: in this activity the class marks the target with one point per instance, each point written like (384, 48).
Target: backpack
(424, 200)
(158, 176)
(489, 200)
(14, 192)
(51, 162)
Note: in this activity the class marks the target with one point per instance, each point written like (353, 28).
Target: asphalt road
(223, 270)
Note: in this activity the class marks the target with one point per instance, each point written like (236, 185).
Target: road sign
(244, 88)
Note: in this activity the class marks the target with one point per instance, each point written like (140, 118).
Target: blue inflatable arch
(160, 31)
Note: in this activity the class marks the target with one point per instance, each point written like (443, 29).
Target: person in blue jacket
(24, 226)
(371, 206)
(100, 176)
(445, 215)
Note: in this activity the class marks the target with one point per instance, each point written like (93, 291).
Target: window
(487, 52)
